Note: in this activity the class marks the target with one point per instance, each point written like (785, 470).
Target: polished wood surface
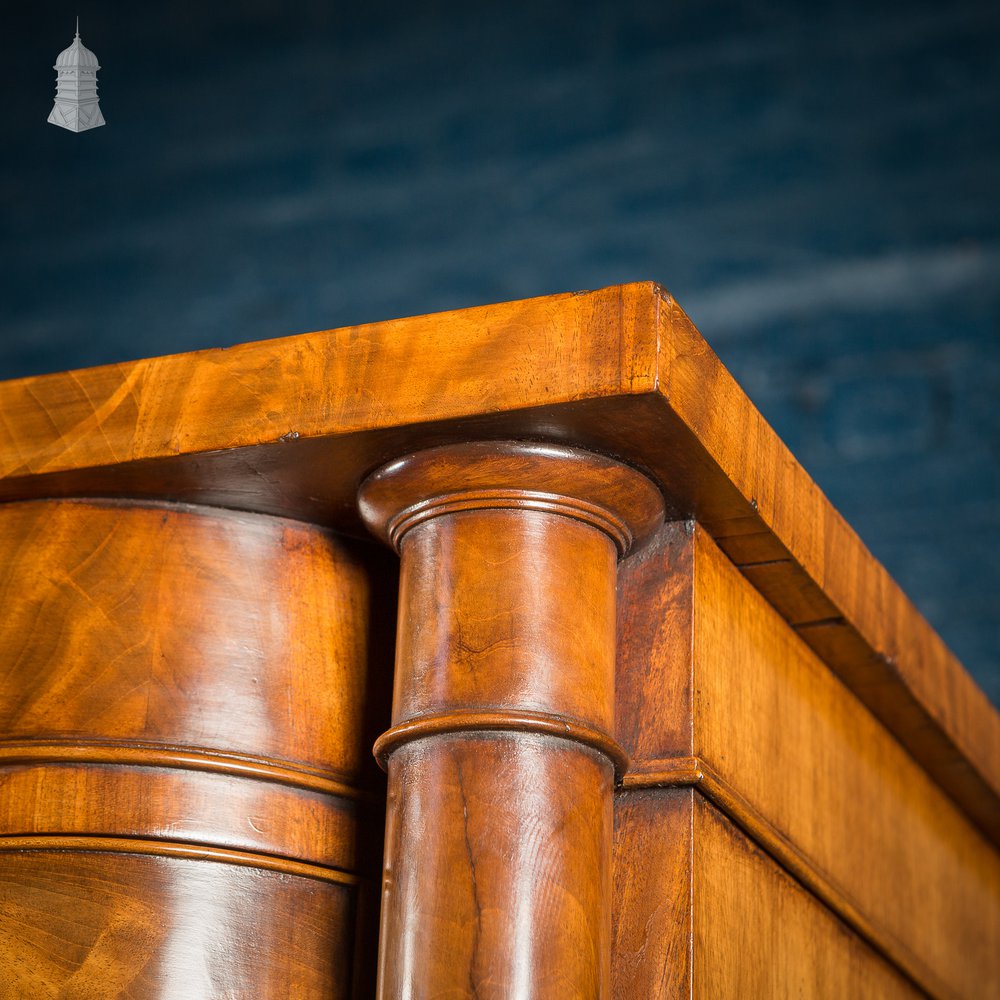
(143, 624)
(91, 926)
(797, 550)
(720, 756)
(709, 914)
(620, 371)
(716, 691)
(759, 934)
(154, 707)
(504, 693)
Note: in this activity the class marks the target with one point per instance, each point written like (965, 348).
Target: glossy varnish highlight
(292, 426)
(501, 760)
(188, 708)
(80, 925)
(751, 771)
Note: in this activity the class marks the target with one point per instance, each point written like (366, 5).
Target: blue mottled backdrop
(818, 185)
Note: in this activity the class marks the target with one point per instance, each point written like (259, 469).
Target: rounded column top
(571, 482)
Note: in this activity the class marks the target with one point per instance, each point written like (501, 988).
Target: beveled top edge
(290, 426)
(520, 474)
(328, 383)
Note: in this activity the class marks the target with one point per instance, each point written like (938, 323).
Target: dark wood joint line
(693, 772)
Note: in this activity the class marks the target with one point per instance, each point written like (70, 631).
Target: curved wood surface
(86, 925)
(196, 752)
(196, 807)
(509, 720)
(620, 371)
(144, 625)
(504, 693)
(190, 694)
(141, 754)
(77, 845)
(497, 870)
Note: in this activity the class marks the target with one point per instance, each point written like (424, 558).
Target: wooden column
(501, 762)
(185, 710)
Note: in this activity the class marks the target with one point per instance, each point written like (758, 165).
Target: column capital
(511, 475)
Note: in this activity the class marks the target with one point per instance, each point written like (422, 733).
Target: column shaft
(497, 880)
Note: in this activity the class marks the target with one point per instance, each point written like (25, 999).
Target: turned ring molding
(508, 720)
(512, 475)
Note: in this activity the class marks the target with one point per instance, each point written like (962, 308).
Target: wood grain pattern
(816, 570)
(292, 426)
(838, 763)
(176, 733)
(185, 758)
(189, 695)
(693, 772)
(193, 806)
(759, 934)
(354, 379)
(504, 692)
(620, 371)
(654, 687)
(103, 601)
(653, 873)
(701, 912)
(135, 927)
(497, 870)
(771, 736)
